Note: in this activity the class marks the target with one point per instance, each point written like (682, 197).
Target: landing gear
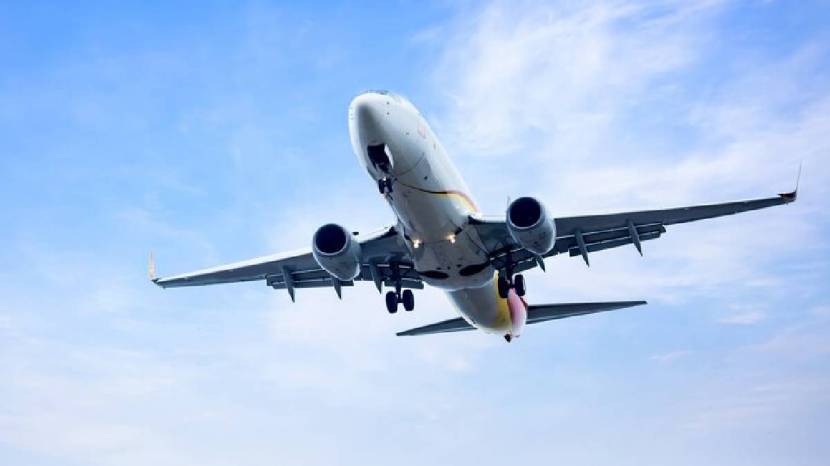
(508, 338)
(385, 185)
(408, 300)
(519, 284)
(504, 284)
(392, 302)
(393, 298)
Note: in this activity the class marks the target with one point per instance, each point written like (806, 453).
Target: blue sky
(215, 132)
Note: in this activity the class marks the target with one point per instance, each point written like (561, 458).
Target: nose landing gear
(385, 185)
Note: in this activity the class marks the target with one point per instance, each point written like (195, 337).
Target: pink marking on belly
(518, 312)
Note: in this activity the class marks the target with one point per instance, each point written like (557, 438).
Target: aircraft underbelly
(483, 308)
(434, 213)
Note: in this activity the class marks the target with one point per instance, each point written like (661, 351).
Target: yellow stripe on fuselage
(464, 199)
(503, 320)
(460, 196)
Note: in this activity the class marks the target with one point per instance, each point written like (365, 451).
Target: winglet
(792, 196)
(151, 268)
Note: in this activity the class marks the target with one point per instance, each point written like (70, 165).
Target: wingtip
(151, 270)
(792, 196)
(789, 197)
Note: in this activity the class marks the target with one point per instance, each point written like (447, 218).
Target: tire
(519, 284)
(408, 300)
(391, 302)
(502, 286)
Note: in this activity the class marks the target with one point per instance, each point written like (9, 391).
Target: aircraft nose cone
(366, 117)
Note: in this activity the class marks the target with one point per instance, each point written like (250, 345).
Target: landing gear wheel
(519, 285)
(392, 302)
(408, 300)
(503, 286)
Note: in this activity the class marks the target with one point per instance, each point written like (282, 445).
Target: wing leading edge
(535, 314)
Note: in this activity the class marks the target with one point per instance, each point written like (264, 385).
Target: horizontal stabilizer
(535, 314)
(445, 326)
(542, 312)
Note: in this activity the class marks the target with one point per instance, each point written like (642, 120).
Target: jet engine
(529, 225)
(336, 251)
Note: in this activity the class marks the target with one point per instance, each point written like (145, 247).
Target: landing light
(416, 243)
(451, 239)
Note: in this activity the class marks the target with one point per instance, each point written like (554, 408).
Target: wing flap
(573, 250)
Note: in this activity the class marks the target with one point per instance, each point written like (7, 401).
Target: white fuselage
(432, 204)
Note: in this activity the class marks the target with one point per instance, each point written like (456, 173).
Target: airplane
(441, 238)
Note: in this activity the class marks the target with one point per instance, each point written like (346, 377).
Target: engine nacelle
(337, 252)
(529, 225)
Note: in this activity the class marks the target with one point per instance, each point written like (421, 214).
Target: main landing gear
(505, 283)
(394, 297)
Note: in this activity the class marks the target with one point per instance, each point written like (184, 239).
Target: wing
(535, 314)
(581, 235)
(382, 255)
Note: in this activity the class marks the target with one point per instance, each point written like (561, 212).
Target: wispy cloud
(743, 318)
(670, 356)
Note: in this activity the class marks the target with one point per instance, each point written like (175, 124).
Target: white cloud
(670, 356)
(743, 318)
